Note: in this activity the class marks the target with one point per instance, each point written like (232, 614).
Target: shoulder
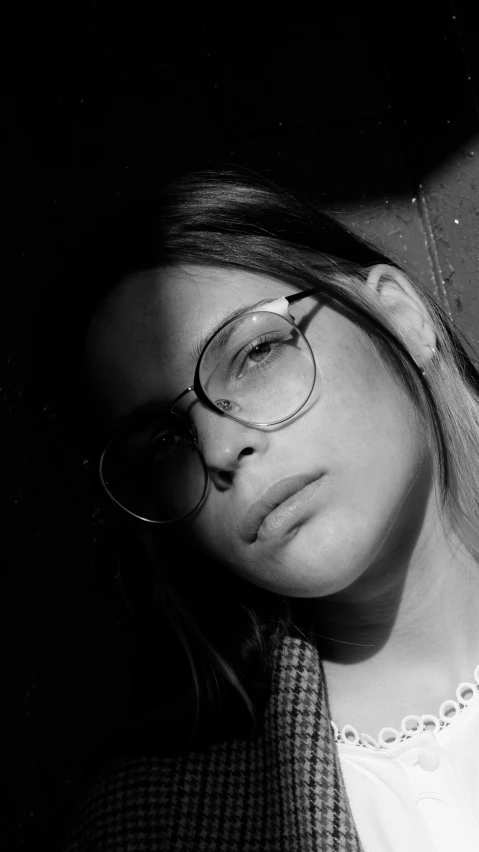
(237, 793)
(148, 802)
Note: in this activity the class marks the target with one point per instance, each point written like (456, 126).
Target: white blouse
(417, 790)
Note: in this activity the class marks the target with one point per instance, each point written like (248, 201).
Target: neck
(416, 608)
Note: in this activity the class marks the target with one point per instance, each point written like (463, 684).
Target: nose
(225, 443)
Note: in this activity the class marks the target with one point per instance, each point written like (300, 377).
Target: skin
(382, 572)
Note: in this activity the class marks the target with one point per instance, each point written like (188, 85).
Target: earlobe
(400, 302)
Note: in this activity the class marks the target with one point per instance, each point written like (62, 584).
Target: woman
(288, 427)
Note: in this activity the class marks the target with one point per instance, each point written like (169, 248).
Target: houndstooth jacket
(282, 791)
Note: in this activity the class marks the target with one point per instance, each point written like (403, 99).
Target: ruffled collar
(412, 725)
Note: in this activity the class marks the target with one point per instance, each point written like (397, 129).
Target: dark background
(372, 112)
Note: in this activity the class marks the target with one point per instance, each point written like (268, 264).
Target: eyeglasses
(258, 369)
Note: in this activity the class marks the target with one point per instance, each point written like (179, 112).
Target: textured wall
(379, 122)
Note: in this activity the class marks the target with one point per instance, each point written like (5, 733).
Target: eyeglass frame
(282, 309)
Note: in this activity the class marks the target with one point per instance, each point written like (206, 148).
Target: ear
(406, 310)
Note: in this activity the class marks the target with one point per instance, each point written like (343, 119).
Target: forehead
(141, 346)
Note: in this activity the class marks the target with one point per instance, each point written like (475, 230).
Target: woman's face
(357, 444)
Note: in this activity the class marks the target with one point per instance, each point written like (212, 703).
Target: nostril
(224, 478)
(223, 469)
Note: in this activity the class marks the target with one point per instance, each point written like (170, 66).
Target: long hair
(224, 630)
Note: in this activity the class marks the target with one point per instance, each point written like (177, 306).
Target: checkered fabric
(280, 792)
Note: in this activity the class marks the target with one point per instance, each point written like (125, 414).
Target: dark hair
(222, 630)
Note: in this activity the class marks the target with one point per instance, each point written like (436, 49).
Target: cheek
(359, 415)
(214, 529)
(375, 446)
(364, 410)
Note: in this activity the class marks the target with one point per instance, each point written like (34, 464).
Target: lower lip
(289, 514)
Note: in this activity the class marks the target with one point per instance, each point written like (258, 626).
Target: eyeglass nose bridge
(200, 395)
(222, 407)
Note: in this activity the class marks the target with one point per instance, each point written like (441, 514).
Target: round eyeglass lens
(259, 369)
(154, 471)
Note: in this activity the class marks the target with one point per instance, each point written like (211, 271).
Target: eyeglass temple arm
(281, 306)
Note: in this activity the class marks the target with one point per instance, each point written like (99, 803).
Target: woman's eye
(259, 352)
(163, 444)
(263, 353)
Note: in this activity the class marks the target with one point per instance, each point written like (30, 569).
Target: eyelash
(277, 353)
(265, 338)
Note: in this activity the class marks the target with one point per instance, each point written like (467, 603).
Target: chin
(306, 577)
(317, 563)
(315, 584)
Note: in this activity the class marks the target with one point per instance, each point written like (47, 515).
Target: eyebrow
(197, 349)
(152, 406)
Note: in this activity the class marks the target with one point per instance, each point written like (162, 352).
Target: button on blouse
(417, 790)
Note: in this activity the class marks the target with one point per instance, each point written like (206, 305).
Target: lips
(273, 497)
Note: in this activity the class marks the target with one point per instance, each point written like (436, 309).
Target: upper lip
(272, 497)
